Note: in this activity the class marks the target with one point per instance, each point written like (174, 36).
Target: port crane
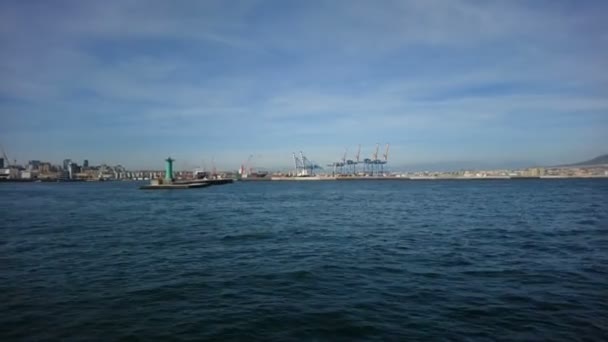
(340, 165)
(374, 160)
(213, 169)
(343, 162)
(6, 160)
(385, 155)
(357, 160)
(246, 166)
(304, 167)
(351, 163)
(376, 152)
(248, 170)
(374, 165)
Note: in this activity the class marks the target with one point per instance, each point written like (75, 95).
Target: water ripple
(318, 261)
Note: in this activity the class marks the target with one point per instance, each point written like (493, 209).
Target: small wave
(587, 222)
(247, 236)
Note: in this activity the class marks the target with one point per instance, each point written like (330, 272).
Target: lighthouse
(169, 170)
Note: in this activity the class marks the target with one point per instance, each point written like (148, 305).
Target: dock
(174, 186)
(169, 183)
(190, 184)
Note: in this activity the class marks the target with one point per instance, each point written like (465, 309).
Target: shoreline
(426, 178)
(318, 178)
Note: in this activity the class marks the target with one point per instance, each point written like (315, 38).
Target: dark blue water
(479, 260)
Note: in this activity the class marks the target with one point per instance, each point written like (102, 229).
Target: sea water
(396, 260)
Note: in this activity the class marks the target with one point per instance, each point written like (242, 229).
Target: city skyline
(251, 165)
(459, 82)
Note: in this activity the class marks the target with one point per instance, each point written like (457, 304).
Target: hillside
(600, 160)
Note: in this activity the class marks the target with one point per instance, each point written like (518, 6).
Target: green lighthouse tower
(169, 170)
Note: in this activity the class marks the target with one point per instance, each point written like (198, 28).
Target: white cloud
(332, 71)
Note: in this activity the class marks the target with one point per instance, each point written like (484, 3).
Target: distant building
(45, 167)
(34, 164)
(5, 173)
(73, 169)
(66, 164)
(1, 163)
(85, 163)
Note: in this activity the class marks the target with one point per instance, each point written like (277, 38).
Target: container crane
(304, 166)
(300, 164)
(296, 162)
(344, 161)
(6, 160)
(357, 159)
(350, 164)
(385, 155)
(376, 153)
(375, 160)
(213, 169)
(246, 167)
(341, 164)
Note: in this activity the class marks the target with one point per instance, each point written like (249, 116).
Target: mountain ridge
(599, 160)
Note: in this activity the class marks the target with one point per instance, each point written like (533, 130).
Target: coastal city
(303, 169)
(325, 170)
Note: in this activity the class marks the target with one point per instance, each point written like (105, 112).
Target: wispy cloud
(441, 80)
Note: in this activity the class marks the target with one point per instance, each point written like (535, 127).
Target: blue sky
(449, 81)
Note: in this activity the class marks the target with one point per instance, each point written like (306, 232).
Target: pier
(169, 183)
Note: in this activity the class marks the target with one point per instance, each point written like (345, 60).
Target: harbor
(376, 168)
(358, 167)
